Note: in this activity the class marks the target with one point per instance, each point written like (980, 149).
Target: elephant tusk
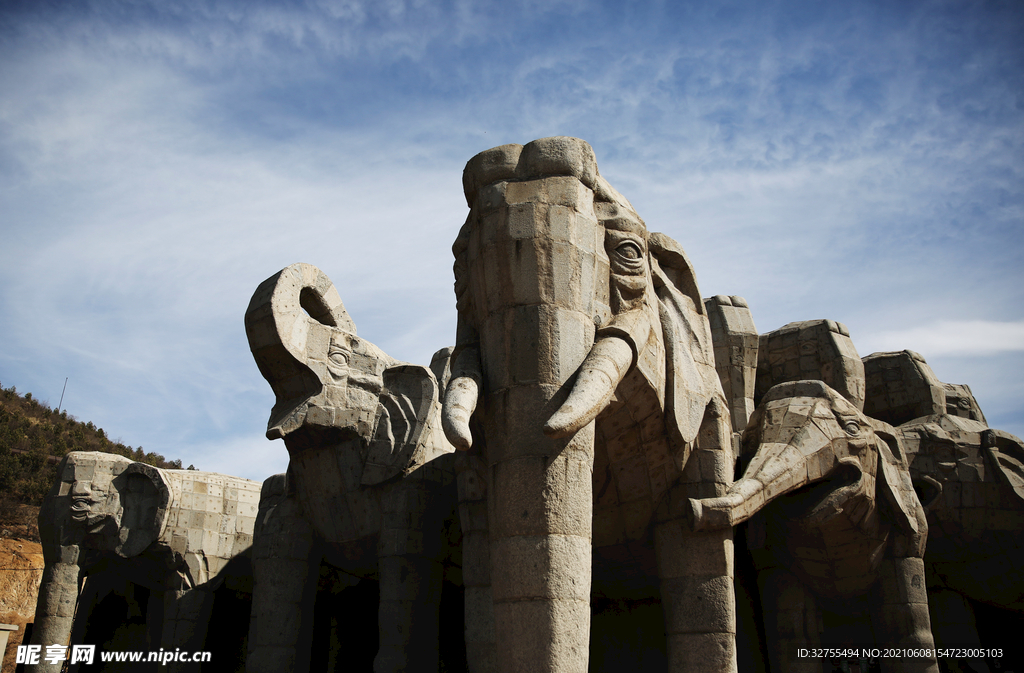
(459, 404)
(461, 396)
(599, 376)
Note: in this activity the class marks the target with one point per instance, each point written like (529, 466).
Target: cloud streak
(954, 338)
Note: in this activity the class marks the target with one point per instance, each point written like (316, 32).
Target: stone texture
(813, 349)
(902, 387)
(601, 409)
(736, 342)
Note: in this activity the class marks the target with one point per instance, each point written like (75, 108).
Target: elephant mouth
(286, 418)
(309, 435)
(824, 498)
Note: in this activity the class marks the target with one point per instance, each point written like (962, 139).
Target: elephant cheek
(627, 293)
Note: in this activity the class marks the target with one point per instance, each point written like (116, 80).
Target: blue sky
(859, 161)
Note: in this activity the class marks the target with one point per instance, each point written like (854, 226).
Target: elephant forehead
(614, 217)
(92, 466)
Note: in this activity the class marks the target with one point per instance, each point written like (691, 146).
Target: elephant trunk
(541, 494)
(528, 266)
(778, 469)
(288, 325)
(55, 607)
(541, 513)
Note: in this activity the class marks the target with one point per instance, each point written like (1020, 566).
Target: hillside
(21, 563)
(34, 438)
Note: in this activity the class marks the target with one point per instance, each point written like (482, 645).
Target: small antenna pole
(62, 394)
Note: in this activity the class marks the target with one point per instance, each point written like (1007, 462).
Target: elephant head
(546, 229)
(568, 309)
(101, 504)
(331, 385)
(830, 467)
(901, 387)
(105, 502)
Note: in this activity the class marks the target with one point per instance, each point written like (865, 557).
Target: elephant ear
(690, 378)
(893, 479)
(1006, 452)
(145, 496)
(407, 431)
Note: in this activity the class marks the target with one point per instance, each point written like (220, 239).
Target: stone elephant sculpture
(370, 478)
(840, 520)
(971, 479)
(584, 377)
(148, 534)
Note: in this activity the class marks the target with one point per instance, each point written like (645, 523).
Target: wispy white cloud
(952, 337)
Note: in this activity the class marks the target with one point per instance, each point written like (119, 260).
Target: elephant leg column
(285, 559)
(410, 575)
(541, 513)
(902, 614)
(55, 608)
(791, 621)
(476, 562)
(697, 569)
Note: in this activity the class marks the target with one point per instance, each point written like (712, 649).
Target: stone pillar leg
(285, 564)
(410, 577)
(55, 607)
(901, 616)
(697, 569)
(791, 621)
(476, 563)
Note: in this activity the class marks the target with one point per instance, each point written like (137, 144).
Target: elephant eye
(338, 358)
(629, 250)
(851, 427)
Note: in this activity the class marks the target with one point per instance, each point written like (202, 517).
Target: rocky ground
(21, 569)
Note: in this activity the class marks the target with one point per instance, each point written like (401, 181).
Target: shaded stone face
(89, 505)
(960, 402)
(901, 387)
(93, 509)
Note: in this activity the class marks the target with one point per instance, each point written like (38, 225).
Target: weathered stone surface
(813, 349)
(824, 482)
(902, 387)
(736, 342)
(600, 408)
